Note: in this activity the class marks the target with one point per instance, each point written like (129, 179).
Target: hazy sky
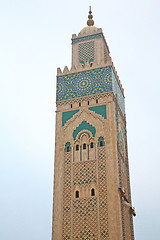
(35, 39)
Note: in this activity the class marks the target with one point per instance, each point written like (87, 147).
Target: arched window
(67, 147)
(84, 146)
(88, 102)
(91, 62)
(91, 145)
(71, 105)
(96, 100)
(77, 147)
(92, 192)
(101, 142)
(79, 104)
(77, 194)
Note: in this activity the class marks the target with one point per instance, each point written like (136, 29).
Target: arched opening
(101, 142)
(92, 145)
(84, 146)
(76, 152)
(77, 194)
(67, 147)
(92, 192)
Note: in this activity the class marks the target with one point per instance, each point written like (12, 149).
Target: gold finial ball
(90, 22)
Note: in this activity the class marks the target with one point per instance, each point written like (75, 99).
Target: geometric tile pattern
(86, 52)
(118, 93)
(85, 223)
(67, 197)
(102, 186)
(81, 39)
(84, 173)
(85, 83)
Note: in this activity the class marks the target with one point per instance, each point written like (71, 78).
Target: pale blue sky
(35, 39)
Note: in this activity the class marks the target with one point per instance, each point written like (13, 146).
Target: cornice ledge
(80, 99)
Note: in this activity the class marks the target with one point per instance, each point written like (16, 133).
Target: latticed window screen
(86, 52)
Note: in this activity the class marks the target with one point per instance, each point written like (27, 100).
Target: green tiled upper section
(99, 110)
(118, 93)
(67, 115)
(87, 83)
(84, 126)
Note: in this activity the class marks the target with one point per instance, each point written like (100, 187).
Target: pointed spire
(90, 21)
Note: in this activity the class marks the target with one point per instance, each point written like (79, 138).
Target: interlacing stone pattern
(67, 197)
(86, 52)
(102, 186)
(85, 219)
(84, 173)
(126, 213)
(127, 223)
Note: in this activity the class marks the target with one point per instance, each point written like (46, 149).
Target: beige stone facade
(92, 197)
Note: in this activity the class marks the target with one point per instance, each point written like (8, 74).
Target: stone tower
(92, 198)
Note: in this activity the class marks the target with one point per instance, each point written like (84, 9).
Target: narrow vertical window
(80, 153)
(92, 192)
(79, 104)
(88, 102)
(101, 142)
(67, 147)
(96, 100)
(88, 151)
(77, 194)
(84, 146)
(77, 147)
(91, 145)
(71, 105)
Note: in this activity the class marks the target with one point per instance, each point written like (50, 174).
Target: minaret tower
(92, 198)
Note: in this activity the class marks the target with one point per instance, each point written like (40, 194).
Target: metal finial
(90, 21)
